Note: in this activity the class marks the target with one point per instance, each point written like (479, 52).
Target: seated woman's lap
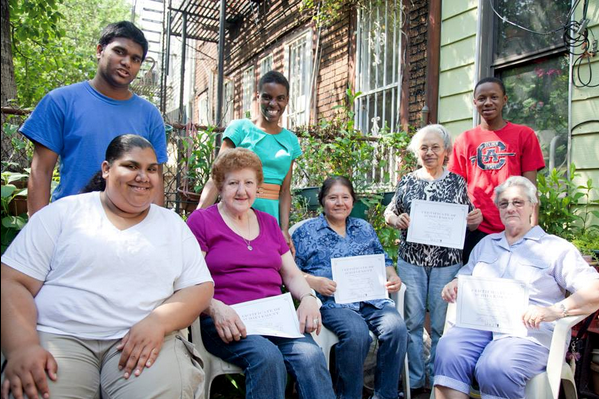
(501, 367)
(266, 360)
(87, 368)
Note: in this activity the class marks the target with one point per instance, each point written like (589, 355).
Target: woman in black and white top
(425, 269)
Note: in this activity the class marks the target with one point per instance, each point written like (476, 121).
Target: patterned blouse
(316, 243)
(449, 188)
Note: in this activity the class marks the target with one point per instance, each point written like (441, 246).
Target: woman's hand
(141, 345)
(401, 221)
(25, 373)
(535, 315)
(474, 219)
(393, 283)
(324, 286)
(309, 315)
(450, 291)
(227, 322)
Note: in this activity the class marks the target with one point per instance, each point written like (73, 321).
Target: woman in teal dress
(276, 147)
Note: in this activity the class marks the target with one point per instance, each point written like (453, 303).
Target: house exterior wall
(457, 64)
(584, 149)
(333, 57)
(458, 67)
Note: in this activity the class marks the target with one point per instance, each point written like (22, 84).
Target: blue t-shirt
(77, 123)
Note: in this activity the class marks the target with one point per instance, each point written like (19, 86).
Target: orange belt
(268, 191)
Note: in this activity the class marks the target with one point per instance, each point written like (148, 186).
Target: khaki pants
(89, 369)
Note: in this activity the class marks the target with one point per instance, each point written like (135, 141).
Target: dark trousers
(472, 238)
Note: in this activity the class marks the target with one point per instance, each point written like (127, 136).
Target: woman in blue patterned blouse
(334, 235)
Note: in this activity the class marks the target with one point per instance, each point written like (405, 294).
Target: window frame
(489, 66)
(395, 86)
(290, 114)
(248, 83)
(263, 62)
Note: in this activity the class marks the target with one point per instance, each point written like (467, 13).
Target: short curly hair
(233, 160)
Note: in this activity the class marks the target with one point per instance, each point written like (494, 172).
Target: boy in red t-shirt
(490, 153)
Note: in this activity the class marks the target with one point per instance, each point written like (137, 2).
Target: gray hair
(416, 141)
(520, 181)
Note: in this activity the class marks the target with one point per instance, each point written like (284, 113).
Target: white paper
(437, 223)
(274, 316)
(359, 278)
(492, 304)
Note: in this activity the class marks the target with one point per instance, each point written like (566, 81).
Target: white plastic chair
(213, 365)
(545, 385)
(327, 339)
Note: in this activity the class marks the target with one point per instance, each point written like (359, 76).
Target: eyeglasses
(517, 203)
(435, 149)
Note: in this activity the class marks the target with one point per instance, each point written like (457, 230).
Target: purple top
(239, 274)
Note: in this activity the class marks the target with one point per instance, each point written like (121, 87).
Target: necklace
(248, 243)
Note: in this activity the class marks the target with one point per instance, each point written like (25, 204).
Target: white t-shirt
(98, 280)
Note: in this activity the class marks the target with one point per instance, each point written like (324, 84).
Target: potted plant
(13, 217)
(337, 148)
(195, 162)
(565, 209)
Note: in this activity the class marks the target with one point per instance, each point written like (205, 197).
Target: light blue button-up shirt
(316, 243)
(548, 264)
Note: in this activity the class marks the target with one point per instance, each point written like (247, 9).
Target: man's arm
(532, 176)
(40, 179)
(159, 194)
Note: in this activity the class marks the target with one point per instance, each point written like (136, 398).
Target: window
(265, 65)
(228, 102)
(298, 56)
(378, 75)
(249, 90)
(203, 110)
(533, 66)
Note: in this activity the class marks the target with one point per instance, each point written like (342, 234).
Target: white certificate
(438, 223)
(492, 304)
(273, 316)
(359, 278)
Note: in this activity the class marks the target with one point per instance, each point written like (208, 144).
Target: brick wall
(416, 26)
(281, 20)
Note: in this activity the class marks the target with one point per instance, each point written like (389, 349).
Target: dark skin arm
(40, 179)
(285, 208)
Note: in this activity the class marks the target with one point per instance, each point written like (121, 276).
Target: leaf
(8, 190)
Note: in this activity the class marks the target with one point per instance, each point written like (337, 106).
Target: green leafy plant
(197, 159)
(11, 224)
(336, 147)
(565, 206)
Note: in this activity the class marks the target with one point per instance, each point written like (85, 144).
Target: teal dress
(276, 151)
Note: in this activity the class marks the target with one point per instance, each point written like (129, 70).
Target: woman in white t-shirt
(96, 286)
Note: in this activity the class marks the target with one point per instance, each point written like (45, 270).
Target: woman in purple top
(249, 259)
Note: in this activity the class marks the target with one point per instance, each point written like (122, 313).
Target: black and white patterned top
(450, 188)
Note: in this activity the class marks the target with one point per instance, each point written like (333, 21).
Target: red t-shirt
(486, 158)
(239, 274)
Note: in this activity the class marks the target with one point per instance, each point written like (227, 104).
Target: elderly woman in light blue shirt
(502, 364)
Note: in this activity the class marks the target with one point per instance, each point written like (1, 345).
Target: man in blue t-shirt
(77, 122)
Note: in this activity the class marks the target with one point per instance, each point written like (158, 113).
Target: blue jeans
(424, 286)
(266, 360)
(501, 367)
(351, 327)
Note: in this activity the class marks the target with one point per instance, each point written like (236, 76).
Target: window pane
(538, 97)
(536, 15)
(378, 65)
